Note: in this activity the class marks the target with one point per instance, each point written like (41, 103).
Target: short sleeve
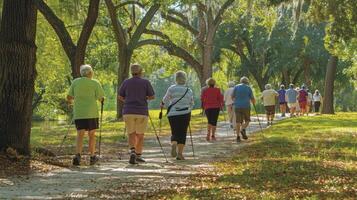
(150, 90)
(71, 91)
(99, 91)
(122, 89)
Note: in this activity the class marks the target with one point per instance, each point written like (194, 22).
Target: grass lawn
(300, 158)
(51, 134)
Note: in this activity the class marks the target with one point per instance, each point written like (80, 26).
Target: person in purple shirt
(135, 93)
(282, 101)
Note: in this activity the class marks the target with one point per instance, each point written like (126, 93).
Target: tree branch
(219, 15)
(129, 2)
(174, 50)
(59, 27)
(157, 33)
(180, 22)
(118, 29)
(142, 26)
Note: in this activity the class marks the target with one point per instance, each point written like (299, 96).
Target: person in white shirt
(230, 104)
(269, 97)
(317, 99)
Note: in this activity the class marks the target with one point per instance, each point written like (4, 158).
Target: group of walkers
(136, 91)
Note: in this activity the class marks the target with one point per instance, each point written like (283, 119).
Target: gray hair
(231, 84)
(180, 77)
(85, 70)
(267, 86)
(244, 80)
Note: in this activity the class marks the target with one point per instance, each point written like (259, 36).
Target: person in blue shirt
(282, 101)
(291, 96)
(242, 97)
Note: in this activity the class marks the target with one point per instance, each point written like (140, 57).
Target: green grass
(301, 158)
(50, 134)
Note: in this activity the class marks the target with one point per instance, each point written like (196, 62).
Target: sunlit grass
(52, 133)
(300, 158)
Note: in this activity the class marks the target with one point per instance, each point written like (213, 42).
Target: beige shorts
(293, 105)
(136, 123)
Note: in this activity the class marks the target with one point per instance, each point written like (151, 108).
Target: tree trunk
(17, 73)
(285, 77)
(327, 107)
(123, 73)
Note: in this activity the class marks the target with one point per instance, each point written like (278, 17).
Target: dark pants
(212, 116)
(317, 106)
(179, 125)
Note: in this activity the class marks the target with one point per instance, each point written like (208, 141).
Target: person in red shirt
(302, 98)
(212, 101)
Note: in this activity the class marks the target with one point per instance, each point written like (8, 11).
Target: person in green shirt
(85, 92)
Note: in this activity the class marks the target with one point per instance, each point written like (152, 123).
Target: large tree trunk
(17, 73)
(207, 52)
(327, 106)
(123, 73)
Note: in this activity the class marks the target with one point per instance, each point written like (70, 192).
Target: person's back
(136, 90)
(291, 95)
(269, 97)
(184, 103)
(86, 91)
(303, 95)
(282, 93)
(228, 96)
(242, 95)
(212, 98)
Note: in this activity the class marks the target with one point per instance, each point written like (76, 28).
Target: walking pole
(193, 150)
(261, 129)
(65, 136)
(158, 139)
(100, 126)
(160, 118)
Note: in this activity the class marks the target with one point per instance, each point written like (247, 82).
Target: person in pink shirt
(212, 101)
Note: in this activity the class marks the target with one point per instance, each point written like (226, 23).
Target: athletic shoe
(76, 160)
(244, 135)
(180, 157)
(93, 160)
(238, 139)
(132, 159)
(208, 137)
(173, 150)
(213, 138)
(140, 159)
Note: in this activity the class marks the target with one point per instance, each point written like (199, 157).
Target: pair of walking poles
(158, 138)
(100, 130)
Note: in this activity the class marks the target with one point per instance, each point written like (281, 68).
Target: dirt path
(116, 179)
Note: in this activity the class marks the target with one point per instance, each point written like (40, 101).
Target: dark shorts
(242, 114)
(179, 125)
(87, 124)
(212, 115)
(270, 110)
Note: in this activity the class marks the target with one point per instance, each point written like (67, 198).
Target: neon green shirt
(86, 92)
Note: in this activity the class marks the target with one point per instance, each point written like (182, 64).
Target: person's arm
(166, 98)
(100, 93)
(121, 96)
(252, 99)
(70, 95)
(233, 96)
(150, 93)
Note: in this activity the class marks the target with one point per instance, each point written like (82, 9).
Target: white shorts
(292, 105)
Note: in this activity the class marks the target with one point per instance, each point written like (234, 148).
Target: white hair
(244, 80)
(231, 84)
(267, 86)
(180, 77)
(85, 70)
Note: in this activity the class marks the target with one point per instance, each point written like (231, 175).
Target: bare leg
(139, 143)
(91, 146)
(79, 146)
(132, 140)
